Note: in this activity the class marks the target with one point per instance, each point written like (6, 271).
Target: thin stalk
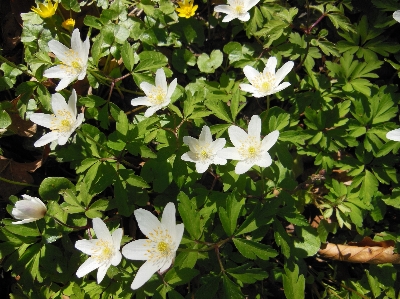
(5, 60)
(18, 183)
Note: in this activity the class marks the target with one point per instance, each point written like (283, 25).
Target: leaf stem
(18, 183)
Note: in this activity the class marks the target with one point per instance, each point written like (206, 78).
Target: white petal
(205, 135)
(147, 221)
(396, 15)
(179, 228)
(201, 167)
(85, 52)
(270, 140)
(265, 160)
(151, 110)
(271, 65)
(117, 237)
(42, 119)
(250, 3)
(146, 87)
(102, 272)
(101, 230)
(76, 42)
(242, 167)
(141, 101)
(116, 259)
(172, 88)
(283, 71)
(64, 82)
(394, 134)
(45, 139)
(56, 72)
(136, 250)
(244, 17)
(193, 143)
(229, 153)
(63, 138)
(59, 50)
(248, 88)
(223, 8)
(24, 221)
(144, 273)
(78, 122)
(219, 160)
(250, 73)
(161, 80)
(168, 219)
(255, 126)
(72, 103)
(217, 145)
(229, 18)
(167, 264)
(189, 157)
(88, 266)
(86, 246)
(58, 103)
(280, 87)
(237, 135)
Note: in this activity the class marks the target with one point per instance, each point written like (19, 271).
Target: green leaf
(231, 290)
(128, 55)
(219, 109)
(230, 213)
(252, 250)
(50, 188)
(208, 64)
(307, 242)
(150, 60)
(5, 119)
(190, 216)
(246, 274)
(293, 283)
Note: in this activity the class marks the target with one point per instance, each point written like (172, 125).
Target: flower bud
(28, 210)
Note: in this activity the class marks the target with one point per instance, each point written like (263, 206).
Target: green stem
(5, 60)
(262, 183)
(18, 183)
(67, 225)
(268, 102)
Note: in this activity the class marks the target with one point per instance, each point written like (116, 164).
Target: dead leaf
(367, 241)
(17, 172)
(21, 127)
(359, 254)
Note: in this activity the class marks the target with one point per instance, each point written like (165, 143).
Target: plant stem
(5, 60)
(18, 183)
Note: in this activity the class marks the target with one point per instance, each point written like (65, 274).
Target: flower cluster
(248, 149)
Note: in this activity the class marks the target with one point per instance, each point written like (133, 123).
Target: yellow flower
(68, 24)
(186, 9)
(46, 10)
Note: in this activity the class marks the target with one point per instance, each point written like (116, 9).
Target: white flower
(203, 151)
(29, 209)
(73, 61)
(393, 135)
(267, 82)
(249, 149)
(396, 15)
(62, 123)
(158, 96)
(236, 9)
(103, 251)
(159, 249)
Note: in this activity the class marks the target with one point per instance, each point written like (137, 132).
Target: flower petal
(172, 88)
(58, 103)
(271, 65)
(254, 128)
(223, 8)
(250, 73)
(205, 135)
(45, 139)
(250, 3)
(102, 272)
(57, 71)
(58, 49)
(396, 15)
(64, 82)
(147, 221)
(394, 134)
(151, 110)
(72, 103)
(237, 135)
(217, 145)
(248, 88)
(140, 101)
(281, 87)
(42, 119)
(242, 167)
(168, 219)
(86, 246)
(161, 80)
(229, 153)
(116, 238)
(63, 138)
(144, 273)
(244, 17)
(201, 167)
(101, 230)
(283, 71)
(136, 250)
(116, 259)
(88, 266)
(270, 140)
(146, 87)
(189, 157)
(179, 229)
(265, 160)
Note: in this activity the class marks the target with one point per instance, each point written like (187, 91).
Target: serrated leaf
(252, 250)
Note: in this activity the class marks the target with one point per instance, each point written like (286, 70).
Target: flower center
(157, 96)
(159, 245)
(250, 148)
(62, 122)
(264, 82)
(72, 64)
(238, 7)
(104, 251)
(203, 153)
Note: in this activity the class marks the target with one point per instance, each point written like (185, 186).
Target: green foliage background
(245, 235)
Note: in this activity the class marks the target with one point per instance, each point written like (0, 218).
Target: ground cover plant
(200, 149)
